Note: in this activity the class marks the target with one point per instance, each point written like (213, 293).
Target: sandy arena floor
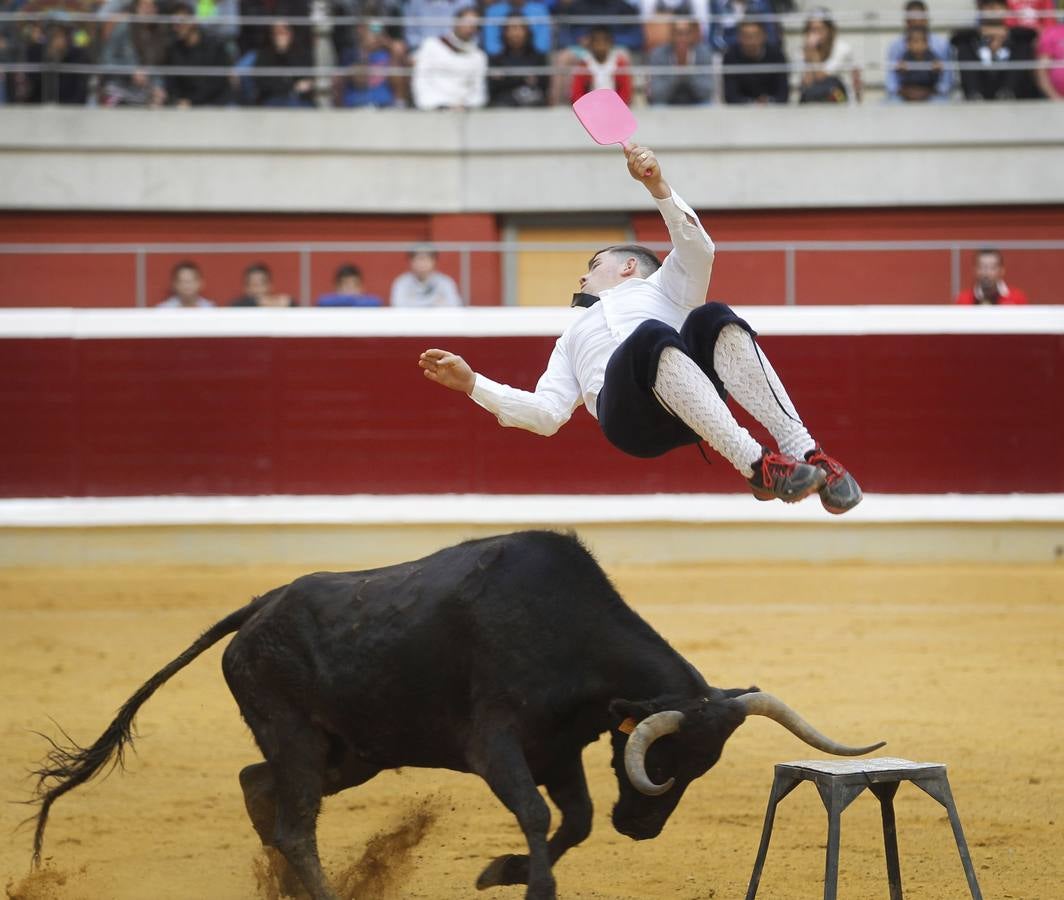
(962, 666)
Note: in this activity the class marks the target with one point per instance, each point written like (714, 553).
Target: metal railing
(508, 251)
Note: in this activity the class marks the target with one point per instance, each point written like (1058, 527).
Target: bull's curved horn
(762, 704)
(635, 751)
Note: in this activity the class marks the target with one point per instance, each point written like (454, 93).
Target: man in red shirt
(602, 65)
(990, 287)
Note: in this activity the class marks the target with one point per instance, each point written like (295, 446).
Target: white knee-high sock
(687, 393)
(739, 361)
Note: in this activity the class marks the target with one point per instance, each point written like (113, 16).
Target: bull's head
(675, 743)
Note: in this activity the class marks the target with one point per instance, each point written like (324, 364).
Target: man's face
(989, 270)
(282, 36)
(187, 284)
(257, 284)
(916, 43)
(349, 284)
(183, 26)
(465, 26)
(599, 45)
(606, 270)
(422, 264)
(684, 35)
(751, 40)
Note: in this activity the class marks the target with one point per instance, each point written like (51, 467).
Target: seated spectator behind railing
(498, 15)
(989, 285)
(281, 52)
(753, 49)
(348, 290)
(1051, 50)
(252, 38)
(685, 49)
(916, 15)
(727, 16)
(368, 82)
(603, 66)
(658, 16)
(817, 84)
(920, 72)
(450, 71)
(517, 90)
(258, 289)
(990, 44)
(53, 44)
(571, 38)
(134, 44)
(832, 55)
(192, 46)
(1033, 14)
(186, 282)
(430, 19)
(423, 286)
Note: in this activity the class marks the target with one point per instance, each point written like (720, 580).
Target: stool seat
(839, 782)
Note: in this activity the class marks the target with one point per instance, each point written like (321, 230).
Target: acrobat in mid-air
(654, 363)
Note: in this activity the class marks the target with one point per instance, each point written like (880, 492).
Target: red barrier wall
(908, 414)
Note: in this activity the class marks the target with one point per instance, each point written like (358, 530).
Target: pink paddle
(606, 117)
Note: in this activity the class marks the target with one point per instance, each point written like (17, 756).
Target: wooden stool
(839, 782)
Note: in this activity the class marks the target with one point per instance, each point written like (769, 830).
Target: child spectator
(518, 52)
(916, 82)
(1051, 49)
(347, 289)
(684, 49)
(423, 286)
(832, 56)
(135, 44)
(450, 71)
(916, 15)
(191, 46)
(984, 49)
(989, 285)
(258, 288)
(604, 66)
(186, 282)
(753, 49)
(281, 52)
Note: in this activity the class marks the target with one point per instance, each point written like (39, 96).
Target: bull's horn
(635, 752)
(761, 704)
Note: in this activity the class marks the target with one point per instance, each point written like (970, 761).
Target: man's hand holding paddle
(643, 166)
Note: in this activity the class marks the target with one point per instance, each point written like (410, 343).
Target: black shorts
(630, 415)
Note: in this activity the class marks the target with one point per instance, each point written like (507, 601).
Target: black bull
(504, 657)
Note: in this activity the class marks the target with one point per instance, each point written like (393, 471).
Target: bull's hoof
(508, 869)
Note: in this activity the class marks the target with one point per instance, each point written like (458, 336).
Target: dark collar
(584, 300)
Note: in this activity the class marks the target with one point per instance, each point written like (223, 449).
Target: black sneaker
(782, 477)
(840, 492)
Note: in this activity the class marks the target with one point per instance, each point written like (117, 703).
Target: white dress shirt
(577, 366)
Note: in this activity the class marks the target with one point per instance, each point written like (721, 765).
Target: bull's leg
(500, 761)
(257, 784)
(567, 787)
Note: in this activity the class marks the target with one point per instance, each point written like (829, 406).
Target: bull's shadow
(504, 656)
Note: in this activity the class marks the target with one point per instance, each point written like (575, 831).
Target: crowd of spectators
(434, 54)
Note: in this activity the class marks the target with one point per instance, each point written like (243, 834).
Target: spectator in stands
(986, 47)
(817, 84)
(450, 71)
(186, 282)
(918, 76)
(604, 66)
(368, 82)
(258, 288)
(348, 290)
(423, 286)
(430, 18)
(1033, 14)
(135, 44)
(916, 15)
(54, 45)
(1051, 49)
(658, 16)
(519, 52)
(253, 38)
(753, 49)
(283, 53)
(831, 55)
(497, 17)
(192, 46)
(685, 49)
(989, 285)
(727, 16)
(572, 37)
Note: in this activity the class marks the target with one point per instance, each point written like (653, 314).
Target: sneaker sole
(763, 495)
(839, 510)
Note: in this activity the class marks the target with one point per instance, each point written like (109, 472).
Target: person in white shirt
(653, 363)
(423, 286)
(451, 71)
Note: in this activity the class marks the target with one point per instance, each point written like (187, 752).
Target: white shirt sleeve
(684, 276)
(542, 412)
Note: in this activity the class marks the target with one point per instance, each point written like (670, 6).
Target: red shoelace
(819, 458)
(778, 461)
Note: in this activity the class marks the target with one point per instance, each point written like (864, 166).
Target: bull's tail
(66, 767)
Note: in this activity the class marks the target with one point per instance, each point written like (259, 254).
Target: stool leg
(782, 785)
(836, 798)
(885, 791)
(938, 787)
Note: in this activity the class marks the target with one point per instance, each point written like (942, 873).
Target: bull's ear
(628, 709)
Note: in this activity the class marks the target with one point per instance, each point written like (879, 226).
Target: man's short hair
(916, 4)
(752, 23)
(423, 248)
(602, 30)
(991, 251)
(182, 265)
(347, 270)
(259, 268)
(646, 260)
